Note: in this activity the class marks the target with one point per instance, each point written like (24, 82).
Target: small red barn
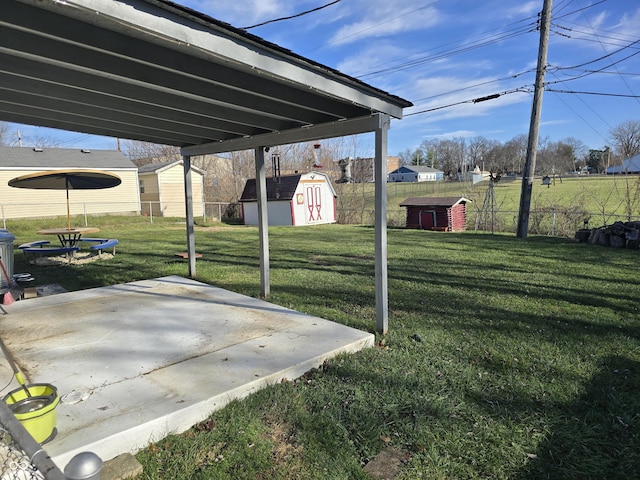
(436, 213)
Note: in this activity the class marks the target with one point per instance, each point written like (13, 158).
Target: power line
(604, 94)
(621, 77)
(595, 112)
(445, 53)
(586, 73)
(458, 90)
(292, 16)
(471, 100)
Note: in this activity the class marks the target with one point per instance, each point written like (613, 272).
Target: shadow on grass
(596, 436)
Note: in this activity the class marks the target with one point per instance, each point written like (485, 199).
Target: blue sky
(446, 53)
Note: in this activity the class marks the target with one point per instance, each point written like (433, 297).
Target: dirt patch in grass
(387, 464)
(285, 447)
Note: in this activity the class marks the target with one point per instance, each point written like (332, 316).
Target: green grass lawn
(505, 358)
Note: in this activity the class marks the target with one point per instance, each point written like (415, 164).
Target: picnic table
(68, 237)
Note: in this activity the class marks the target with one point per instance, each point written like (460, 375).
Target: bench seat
(93, 240)
(50, 250)
(106, 243)
(37, 243)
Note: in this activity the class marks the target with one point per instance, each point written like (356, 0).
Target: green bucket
(37, 413)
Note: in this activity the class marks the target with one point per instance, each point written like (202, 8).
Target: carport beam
(263, 222)
(382, 299)
(188, 202)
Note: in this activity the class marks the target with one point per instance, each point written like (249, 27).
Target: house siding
(33, 203)
(164, 191)
(30, 203)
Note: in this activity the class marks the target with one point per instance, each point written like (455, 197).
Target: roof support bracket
(310, 133)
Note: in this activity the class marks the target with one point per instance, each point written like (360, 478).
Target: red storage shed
(436, 213)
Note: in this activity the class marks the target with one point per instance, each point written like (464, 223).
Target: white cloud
(629, 25)
(383, 18)
(525, 9)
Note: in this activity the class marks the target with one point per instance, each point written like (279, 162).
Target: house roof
(26, 158)
(282, 190)
(433, 201)
(630, 165)
(155, 71)
(416, 169)
(162, 166)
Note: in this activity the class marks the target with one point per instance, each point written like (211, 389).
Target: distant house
(28, 203)
(300, 199)
(413, 173)
(436, 213)
(162, 189)
(630, 165)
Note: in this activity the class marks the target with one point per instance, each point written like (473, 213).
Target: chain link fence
(551, 221)
(21, 457)
(543, 221)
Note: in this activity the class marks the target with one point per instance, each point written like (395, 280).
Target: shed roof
(156, 71)
(433, 201)
(52, 158)
(284, 189)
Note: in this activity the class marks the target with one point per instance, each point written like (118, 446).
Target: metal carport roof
(159, 72)
(155, 71)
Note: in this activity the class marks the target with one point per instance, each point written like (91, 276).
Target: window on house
(141, 184)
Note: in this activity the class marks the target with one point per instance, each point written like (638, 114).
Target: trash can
(6, 256)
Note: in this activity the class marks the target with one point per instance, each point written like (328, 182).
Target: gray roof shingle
(282, 190)
(50, 158)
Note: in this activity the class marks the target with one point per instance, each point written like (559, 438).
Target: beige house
(29, 203)
(162, 189)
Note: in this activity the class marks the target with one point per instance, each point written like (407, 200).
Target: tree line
(455, 155)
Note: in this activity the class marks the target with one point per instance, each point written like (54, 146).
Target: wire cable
(604, 94)
(485, 98)
(458, 90)
(292, 16)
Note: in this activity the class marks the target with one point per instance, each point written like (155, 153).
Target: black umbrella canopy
(75, 179)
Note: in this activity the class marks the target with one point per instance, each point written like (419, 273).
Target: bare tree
(11, 138)
(626, 139)
(142, 153)
(5, 135)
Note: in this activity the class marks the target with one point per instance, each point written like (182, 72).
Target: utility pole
(530, 163)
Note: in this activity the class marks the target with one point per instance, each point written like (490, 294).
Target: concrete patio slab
(135, 362)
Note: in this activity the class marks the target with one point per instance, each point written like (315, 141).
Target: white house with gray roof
(26, 203)
(413, 173)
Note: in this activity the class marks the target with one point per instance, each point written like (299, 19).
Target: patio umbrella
(75, 179)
